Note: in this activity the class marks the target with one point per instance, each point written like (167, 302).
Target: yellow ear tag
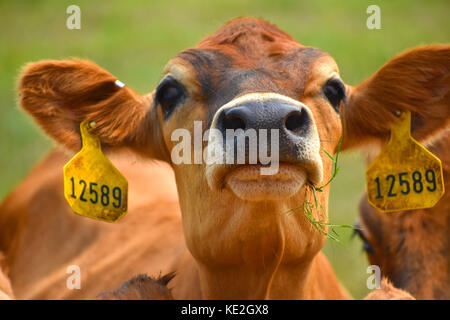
(405, 175)
(93, 187)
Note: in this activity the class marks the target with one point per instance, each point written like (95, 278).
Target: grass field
(134, 39)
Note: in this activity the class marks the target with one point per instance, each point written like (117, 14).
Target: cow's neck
(280, 282)
(273, 257)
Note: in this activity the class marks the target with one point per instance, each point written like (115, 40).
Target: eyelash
(169, 99)
(334, 91)
(367, 247)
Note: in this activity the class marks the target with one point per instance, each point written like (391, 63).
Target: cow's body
(147, 240)
(46, 237)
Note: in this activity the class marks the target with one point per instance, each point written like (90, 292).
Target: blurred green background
(134, 39)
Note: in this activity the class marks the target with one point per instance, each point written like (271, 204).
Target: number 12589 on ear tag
(93, 187)
(405, 175)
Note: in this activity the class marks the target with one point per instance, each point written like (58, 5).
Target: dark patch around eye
(169, 94)
(367, 247)
(334, 90)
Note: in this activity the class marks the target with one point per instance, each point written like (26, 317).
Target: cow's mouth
(247, 183)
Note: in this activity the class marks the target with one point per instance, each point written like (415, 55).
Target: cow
(238, 236)
(412, 248)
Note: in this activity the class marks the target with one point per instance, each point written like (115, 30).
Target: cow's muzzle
(269, 132)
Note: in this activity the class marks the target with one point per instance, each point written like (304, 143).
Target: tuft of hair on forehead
(249, 55)
(251, 36)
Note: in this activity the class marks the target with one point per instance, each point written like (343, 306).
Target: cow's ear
(418, 81)
(59, 95)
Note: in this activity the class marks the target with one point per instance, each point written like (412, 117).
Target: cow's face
(254, 89)
(252, 77)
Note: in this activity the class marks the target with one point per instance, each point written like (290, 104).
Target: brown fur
(237, 249)
(417, 80)
(141, 287)
(119, 113)
(388, 292)
(42, 236)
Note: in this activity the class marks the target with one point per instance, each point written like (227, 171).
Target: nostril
(296, 120)
(233, 121)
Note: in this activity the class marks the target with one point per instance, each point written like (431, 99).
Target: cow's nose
(266, 115)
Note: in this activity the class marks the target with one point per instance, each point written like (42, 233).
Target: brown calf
(241, 241)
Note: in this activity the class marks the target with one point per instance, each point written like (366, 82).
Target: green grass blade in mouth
(310, 207)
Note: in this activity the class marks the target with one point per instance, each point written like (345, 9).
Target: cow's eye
(169, 94)
(367, 247)
(334, 90)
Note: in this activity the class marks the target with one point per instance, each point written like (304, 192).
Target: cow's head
(248, 75)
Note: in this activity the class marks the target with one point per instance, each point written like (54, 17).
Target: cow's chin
(247, 183)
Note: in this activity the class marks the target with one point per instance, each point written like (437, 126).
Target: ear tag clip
(405, 175)
(93, 187)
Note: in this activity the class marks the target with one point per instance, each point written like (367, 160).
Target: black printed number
(391, 179)
(105, 195)
(117, 195)
(406, 183)
(417, 178)
(379, 196)
(73, 188)
(431, 178)
(95, 194)
(83, 184)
